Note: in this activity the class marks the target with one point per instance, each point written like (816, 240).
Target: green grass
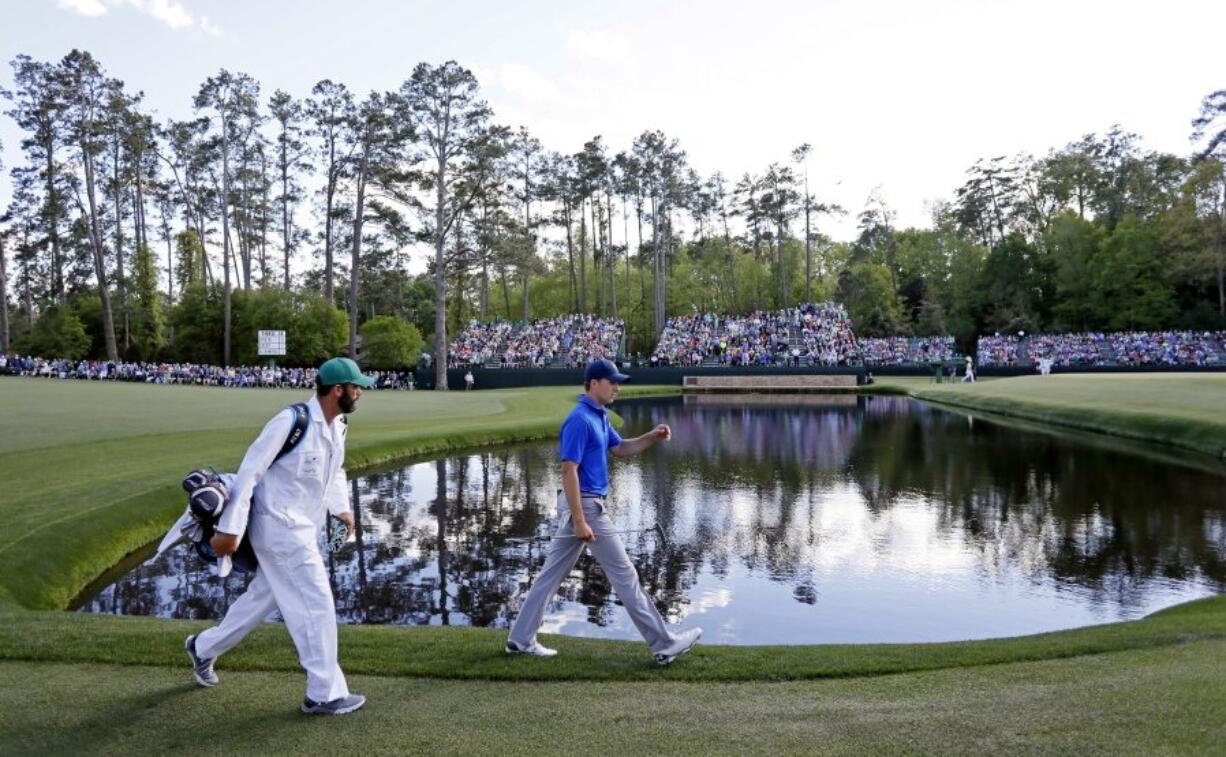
(1186, 411)
(475, 653)
(1167, 700)
(91, 474)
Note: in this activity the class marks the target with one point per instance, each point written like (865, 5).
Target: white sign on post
(272, 343)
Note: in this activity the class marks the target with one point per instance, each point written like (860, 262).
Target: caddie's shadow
(120, 718)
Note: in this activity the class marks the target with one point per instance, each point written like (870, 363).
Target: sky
(894, 96)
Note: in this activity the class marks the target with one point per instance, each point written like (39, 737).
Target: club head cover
(337, 535)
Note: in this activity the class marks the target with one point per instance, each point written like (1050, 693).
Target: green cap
(342, 370)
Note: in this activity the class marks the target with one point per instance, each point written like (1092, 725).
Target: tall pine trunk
(225, 243)
(95, 238)
(783, 274)
(4, 298)
(485, 260)
(1221, 241)
(506, 290)
(330, 194)
(612, 256)
(53, 224)
(359, 213)
(808, 249)
(529, 237)
(598, 261)
(656, 274)
(121, 284)
(285, 232)
(570, 257)
(582, 258)
(440, 276)
(638, 253)
(527, 308)
(170, 262)
(263, 220)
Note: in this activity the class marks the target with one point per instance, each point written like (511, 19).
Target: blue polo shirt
(587, 437)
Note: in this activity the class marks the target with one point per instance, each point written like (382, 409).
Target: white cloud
(173, 14)
(170, 13)
(84, 7)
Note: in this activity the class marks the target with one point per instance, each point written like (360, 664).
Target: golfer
(283, 504)
(587, 440)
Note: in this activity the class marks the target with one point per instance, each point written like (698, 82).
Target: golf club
(656, 529)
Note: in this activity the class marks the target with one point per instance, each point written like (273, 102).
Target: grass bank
(476, 654)
(1187, 411)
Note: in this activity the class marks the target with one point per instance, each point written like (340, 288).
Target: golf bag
(208, 492)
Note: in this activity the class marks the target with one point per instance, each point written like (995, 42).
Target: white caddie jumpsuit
(284, 505)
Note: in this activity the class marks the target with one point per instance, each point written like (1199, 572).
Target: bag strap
(301, 418)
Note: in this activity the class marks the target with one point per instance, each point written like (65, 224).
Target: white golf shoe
(534, 649)
(684, 642)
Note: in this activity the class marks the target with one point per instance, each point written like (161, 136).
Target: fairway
(94, 474)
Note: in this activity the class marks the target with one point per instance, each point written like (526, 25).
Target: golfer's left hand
(348, 520)
(662, 433)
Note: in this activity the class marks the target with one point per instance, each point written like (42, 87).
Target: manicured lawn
(1185, 410)
(1166, 700)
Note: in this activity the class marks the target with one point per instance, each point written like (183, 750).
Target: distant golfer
(288, 501)
(970, 370)
(587, 440)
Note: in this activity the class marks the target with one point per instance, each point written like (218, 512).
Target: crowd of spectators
(1169, 348)
(811, 334)
(1068, 350)
(564, 342)
(906, 350)
(999, 350)
(245, 376)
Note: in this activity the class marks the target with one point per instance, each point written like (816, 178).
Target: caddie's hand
(583, 532)
(224, 544)
(662, 433)
(347, 518)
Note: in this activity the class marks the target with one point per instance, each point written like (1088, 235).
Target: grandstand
(1097, 349)
(810, 334)
(906, 350)
(562, 342)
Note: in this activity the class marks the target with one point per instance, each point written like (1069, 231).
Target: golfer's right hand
(583, 532)
(224, 544)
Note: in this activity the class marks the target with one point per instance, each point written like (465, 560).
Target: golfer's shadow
(122, 716)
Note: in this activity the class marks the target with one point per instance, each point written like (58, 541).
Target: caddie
(587, 439)
(282, 504)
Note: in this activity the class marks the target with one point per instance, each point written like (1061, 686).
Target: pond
(787, 521)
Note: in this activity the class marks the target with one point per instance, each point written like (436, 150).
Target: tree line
(1098, 234)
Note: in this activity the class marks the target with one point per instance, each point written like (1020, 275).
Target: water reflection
(877, 520)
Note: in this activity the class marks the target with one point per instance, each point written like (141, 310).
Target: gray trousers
(564, 551)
